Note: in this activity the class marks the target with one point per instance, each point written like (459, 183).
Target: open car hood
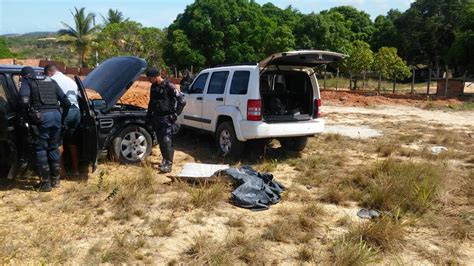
(307, 58)
(114, 76)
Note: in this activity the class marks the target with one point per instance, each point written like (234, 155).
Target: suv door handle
(220, 99)
(199, 98)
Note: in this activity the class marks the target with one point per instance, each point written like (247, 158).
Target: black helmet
(152, 72)
(27, 71)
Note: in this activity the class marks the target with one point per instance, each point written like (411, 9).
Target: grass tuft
(162, 227)
(406, 186)
(350, 252)
(207, 195)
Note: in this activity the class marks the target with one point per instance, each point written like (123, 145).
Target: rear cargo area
(286, 96)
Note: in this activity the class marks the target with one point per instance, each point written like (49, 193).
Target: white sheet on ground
(201, 170)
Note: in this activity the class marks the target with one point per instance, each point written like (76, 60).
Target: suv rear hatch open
(287, 89)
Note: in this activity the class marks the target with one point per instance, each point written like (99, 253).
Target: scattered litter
(201, 170)
(255, 190)
(438, 149)
(355, 132)
(368, 214)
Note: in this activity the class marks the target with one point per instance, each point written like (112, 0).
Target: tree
(4, 50)
(131, 38)
(461, 52)
(81, 35)
(221, 31)
(323, 32)
(113, 16)
(360, 59)
(427, 29)
(386, 32)
(358, 22)
(390, 65)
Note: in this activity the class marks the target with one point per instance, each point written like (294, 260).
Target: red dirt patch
(369, 98)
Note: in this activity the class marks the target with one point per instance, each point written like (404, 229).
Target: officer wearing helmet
(41, 99)
(166, 104)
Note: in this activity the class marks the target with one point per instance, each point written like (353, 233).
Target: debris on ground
(368, 213)
(438, 149)
(355, 132)
(256, 191)
(201, 170)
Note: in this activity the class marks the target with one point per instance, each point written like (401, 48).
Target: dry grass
(387, 148)
(382, 234)
(409, 186)
(349, 252)
(122, 249)
(295, 225)
(208, 195)
(162, 227)
(238, 248)
(307, 254)
(334, 195)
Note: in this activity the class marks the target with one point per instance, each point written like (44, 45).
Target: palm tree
(113, 16)
(81, 35)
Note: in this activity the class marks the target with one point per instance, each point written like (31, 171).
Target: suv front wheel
(227, 143)
(294, 144)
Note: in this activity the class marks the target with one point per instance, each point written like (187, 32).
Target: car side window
(4, 105)
(240, 82)
(218, 82)
(199, 84)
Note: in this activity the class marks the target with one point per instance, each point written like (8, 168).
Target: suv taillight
(317, 108)
(254, 110)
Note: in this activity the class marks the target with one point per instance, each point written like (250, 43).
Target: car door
(192, 113)
(213, 98)
(90, 141)
(8, 154)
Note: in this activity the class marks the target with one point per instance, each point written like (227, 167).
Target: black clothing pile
(256, 191)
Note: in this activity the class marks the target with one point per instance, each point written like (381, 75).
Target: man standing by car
(39, 97)
(166, 104)
(73, 118)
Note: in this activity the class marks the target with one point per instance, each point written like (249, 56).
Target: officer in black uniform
(166, 104)
(40, 97)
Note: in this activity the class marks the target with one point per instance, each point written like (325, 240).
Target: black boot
(45, 184)
(55, 169)
(166, 167)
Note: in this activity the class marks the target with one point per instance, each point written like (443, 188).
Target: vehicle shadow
(202, 148)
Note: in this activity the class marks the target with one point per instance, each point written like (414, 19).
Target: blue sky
(21, 16)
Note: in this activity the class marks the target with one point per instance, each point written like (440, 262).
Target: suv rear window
(218, 82)
(198, 86)
(240, 82)
(4, 106)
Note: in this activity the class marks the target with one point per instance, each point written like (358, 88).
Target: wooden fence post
(413, 81)
(337, 78)
(325, 77)
(429, 82)
(380, 82)
(394, 84)
(446, 83)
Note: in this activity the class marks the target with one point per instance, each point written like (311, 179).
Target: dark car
(107, 127)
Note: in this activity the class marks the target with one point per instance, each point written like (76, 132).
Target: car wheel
(294, 144)
(227, 143)
(132, 145)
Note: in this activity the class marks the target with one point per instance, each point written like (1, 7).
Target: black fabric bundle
(256, 191)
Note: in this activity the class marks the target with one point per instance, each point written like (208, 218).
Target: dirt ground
(132, 214)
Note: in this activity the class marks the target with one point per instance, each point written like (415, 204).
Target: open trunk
(286, 96)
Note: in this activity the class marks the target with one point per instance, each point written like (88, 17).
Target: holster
(35, 117)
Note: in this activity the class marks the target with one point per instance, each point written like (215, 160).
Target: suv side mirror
(99, 104)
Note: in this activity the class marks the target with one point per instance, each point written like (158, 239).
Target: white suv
(275, 99)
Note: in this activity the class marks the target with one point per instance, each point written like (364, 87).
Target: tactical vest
(43, 94)
(165, 103)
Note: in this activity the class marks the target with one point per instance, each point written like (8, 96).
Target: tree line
(434, 33)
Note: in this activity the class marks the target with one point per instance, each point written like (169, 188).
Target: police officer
(186, 80)
(40, 97)
(166, 104)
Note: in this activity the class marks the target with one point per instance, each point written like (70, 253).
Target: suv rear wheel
(294, 144)
(132, 145)
(227, 143)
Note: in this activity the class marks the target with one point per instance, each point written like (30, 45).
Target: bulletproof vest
(165, 103)
(43, 93)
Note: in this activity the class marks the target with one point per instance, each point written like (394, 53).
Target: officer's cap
(27, 71)
(152, 72)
